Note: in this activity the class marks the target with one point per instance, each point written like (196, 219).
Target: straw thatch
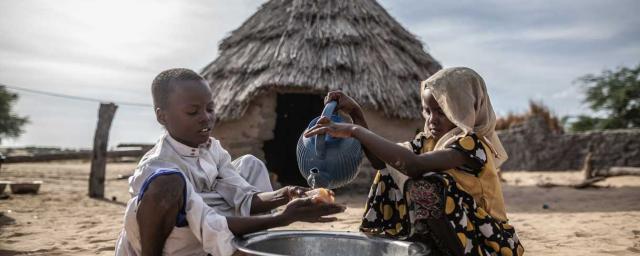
(315, 46)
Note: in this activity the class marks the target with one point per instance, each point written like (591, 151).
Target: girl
(444, 190)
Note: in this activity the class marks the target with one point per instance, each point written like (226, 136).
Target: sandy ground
(62, 220)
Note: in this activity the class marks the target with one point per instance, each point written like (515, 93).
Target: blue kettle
(325, 161)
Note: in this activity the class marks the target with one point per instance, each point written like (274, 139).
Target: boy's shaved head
(161, 86)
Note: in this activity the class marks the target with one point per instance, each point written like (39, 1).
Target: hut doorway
(294, 112)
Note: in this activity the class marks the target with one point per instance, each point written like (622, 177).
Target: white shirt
(214, 190)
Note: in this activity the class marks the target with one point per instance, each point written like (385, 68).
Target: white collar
(185, 150)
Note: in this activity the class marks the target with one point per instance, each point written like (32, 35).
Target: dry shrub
(536, 109)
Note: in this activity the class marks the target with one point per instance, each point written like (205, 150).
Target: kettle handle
(328, 111)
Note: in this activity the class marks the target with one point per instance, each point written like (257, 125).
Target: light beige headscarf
(462, 95)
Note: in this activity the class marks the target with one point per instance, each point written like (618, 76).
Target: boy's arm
(245, 197)
(211, 229)
(301, 209)
(266, 201)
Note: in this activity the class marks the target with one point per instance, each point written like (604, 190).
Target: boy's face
(437, 122)
(189, 115)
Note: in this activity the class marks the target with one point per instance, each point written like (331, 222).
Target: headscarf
(462, 95)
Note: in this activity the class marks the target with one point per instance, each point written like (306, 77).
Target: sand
(63, 220)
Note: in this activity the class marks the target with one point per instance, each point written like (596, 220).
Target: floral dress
(401, 213)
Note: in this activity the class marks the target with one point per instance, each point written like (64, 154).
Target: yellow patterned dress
(480, 224)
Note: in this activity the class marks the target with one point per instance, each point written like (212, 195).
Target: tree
(10, 123)
(614, 93)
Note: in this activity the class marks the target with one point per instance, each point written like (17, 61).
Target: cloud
(103, 49)
(527, 49)
(112, 49)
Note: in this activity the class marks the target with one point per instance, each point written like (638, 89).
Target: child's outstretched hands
(345, 103)
(293, 192)
(325, 126)
(305, 209)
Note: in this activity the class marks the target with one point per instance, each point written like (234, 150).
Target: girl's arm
(395, 155)
(351, 107)
(376, 163)
(406, 161)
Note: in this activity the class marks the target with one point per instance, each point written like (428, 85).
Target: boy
(188, 197)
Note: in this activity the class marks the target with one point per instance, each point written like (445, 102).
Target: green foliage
(10, 123)
(615, 93)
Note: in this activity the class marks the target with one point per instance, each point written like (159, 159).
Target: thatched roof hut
(290, 53)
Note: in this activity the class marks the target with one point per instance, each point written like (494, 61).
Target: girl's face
(436, 121)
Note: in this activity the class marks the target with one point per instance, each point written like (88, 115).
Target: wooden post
(99, 158)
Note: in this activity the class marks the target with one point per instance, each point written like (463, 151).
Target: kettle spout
(317, 180)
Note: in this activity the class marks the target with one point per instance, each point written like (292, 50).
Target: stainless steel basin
(310, 243)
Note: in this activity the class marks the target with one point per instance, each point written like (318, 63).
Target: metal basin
(310, 243)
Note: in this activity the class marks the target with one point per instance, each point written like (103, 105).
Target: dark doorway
(294, 111)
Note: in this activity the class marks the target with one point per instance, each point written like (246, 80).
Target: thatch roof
(317, 46)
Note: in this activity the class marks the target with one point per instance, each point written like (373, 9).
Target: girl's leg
(441, 228)
(427, 197)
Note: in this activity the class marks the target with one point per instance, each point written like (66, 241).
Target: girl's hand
(325, 126)
(345, 103)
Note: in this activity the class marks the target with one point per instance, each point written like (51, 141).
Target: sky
(112, 49)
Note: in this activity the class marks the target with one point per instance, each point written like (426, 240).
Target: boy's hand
(304, 209)
(293, 192)
(325, 126)
(321, 195)
(345, 103)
